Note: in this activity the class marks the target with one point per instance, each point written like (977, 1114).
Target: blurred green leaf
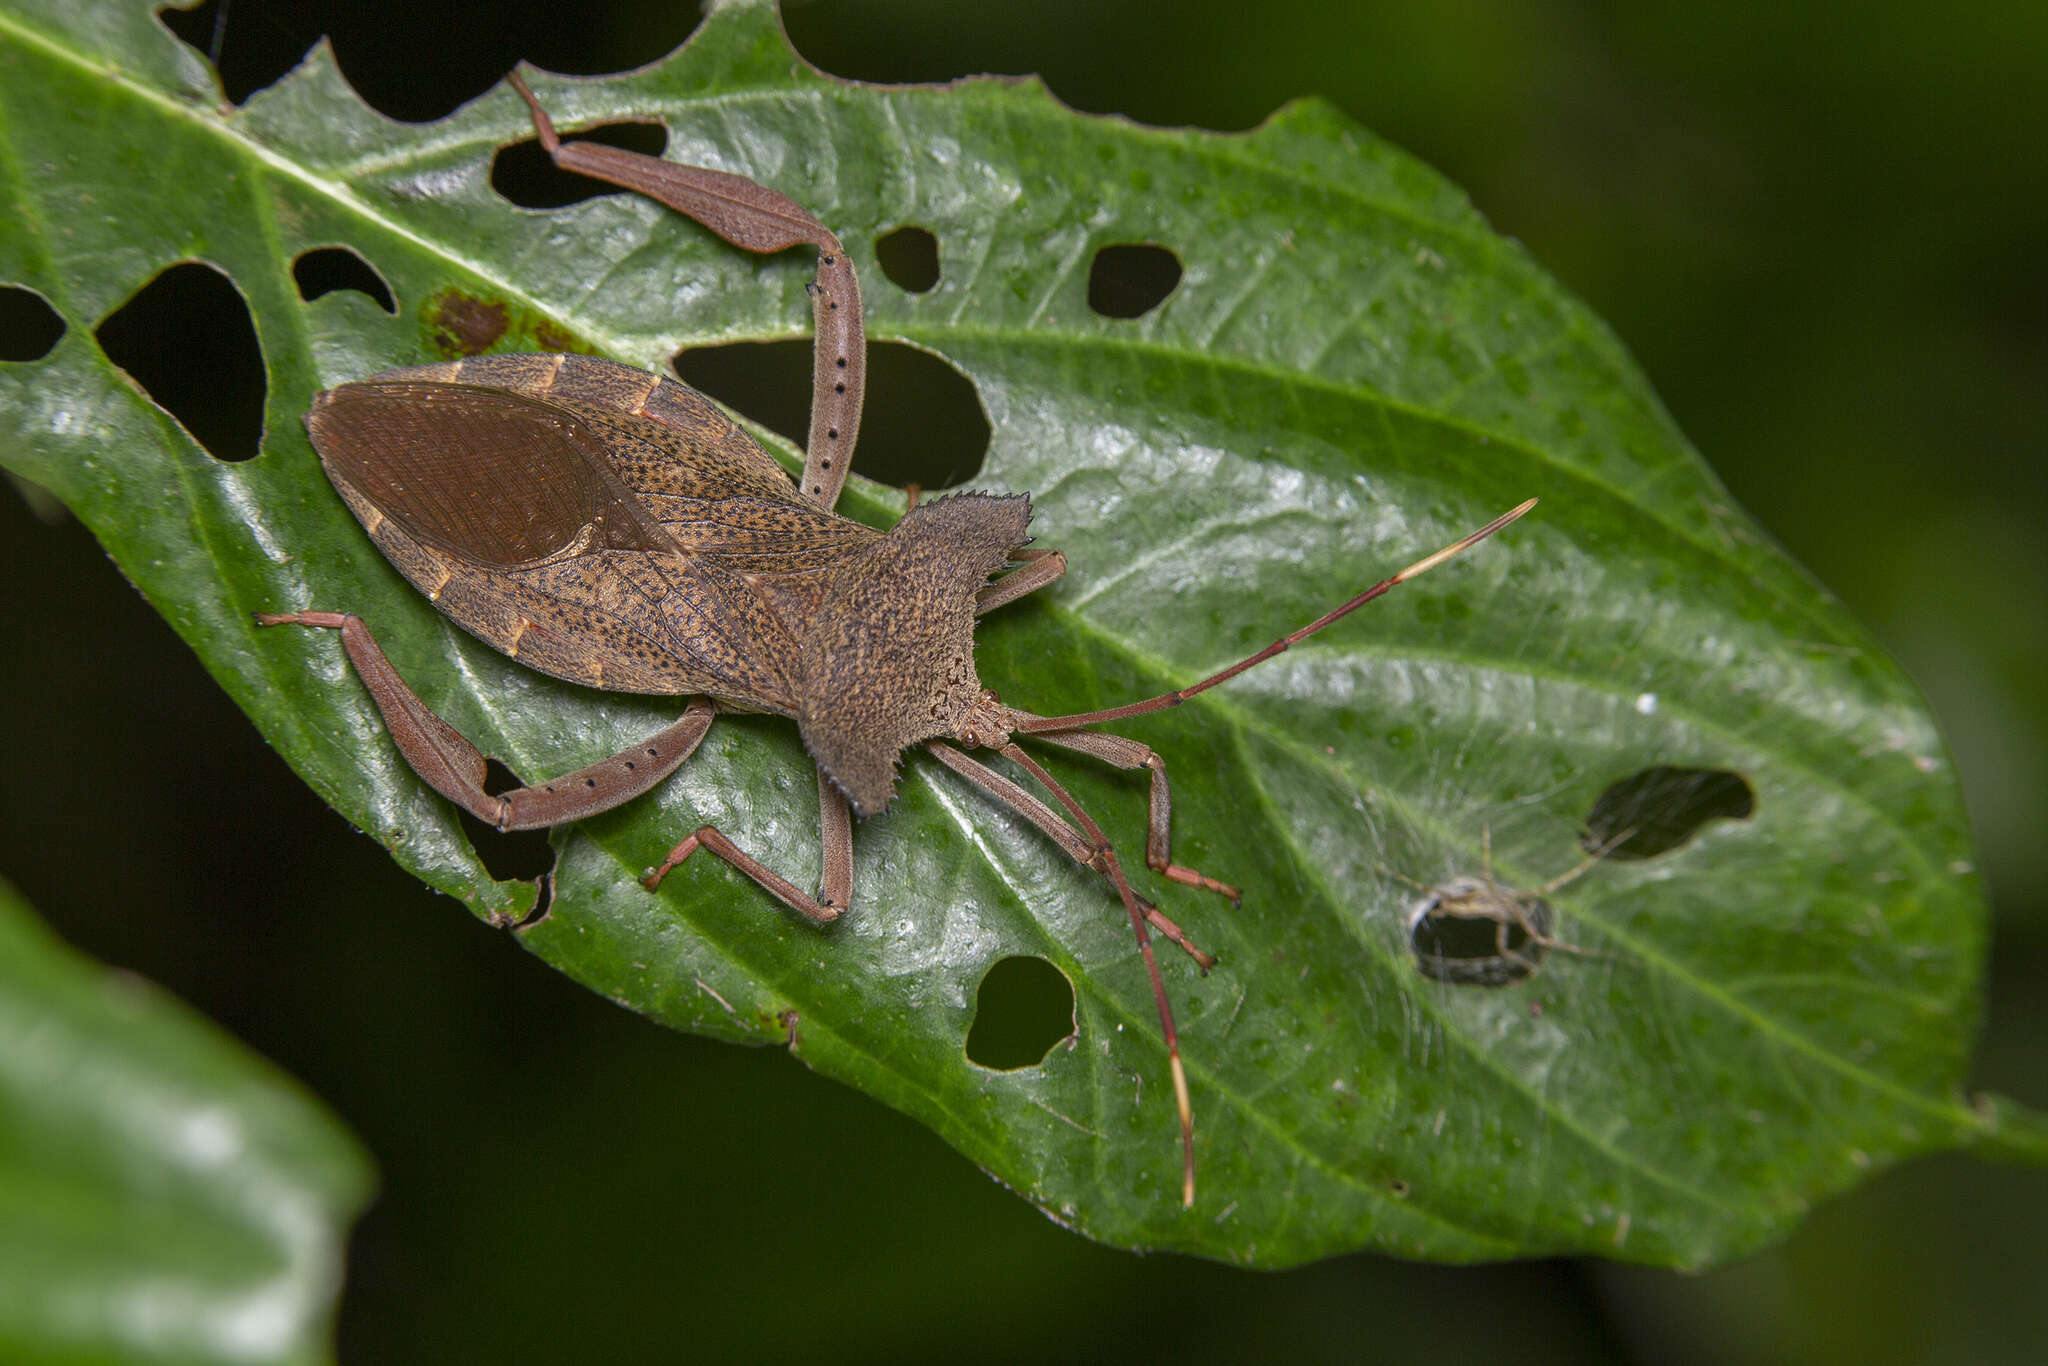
(1352, 371)
(165, 1196)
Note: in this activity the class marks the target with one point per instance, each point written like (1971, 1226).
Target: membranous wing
(588, 519)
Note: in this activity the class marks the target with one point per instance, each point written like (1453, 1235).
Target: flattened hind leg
(755, 218)
(454, 767)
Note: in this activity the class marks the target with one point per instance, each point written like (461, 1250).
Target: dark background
(1823, 230)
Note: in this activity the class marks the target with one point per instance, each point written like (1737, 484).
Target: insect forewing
(591, 520)
(493, 478)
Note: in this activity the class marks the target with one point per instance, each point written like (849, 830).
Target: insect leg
(1071, 841)
(1129, 754)
(781, 888)
(1607, 847)
(609, 782)
(835, 837)
(1039, 568)
(755, 218)
(1175, 1069)
(1524, 901)
(454, 767)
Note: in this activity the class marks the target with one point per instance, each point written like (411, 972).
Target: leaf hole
(923, 422)
(1663, 807)
(524, 173)
(419, 62)
(542, 903)
(1468, 933)
(186, 337)
(909, 256)
(1130, 279)
(29, 328)
(1023, 1009)
(325, 270)
(507, 855)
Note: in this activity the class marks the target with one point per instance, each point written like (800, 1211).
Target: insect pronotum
(609, 527)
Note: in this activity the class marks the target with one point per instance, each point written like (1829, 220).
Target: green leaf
(1353, 371)
(165, 1195)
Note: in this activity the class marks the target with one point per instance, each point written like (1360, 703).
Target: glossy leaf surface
(164, 1195)
(1351, 370)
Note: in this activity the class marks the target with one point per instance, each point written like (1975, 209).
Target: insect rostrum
(606, 526)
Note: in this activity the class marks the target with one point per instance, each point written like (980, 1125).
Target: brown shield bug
(609, 527)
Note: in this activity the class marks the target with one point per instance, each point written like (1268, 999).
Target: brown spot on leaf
(459, 324)
(551, 336)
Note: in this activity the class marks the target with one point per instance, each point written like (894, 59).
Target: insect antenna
(1175, 698)
(1131, 902)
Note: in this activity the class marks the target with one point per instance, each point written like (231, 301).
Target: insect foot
(708, 837)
